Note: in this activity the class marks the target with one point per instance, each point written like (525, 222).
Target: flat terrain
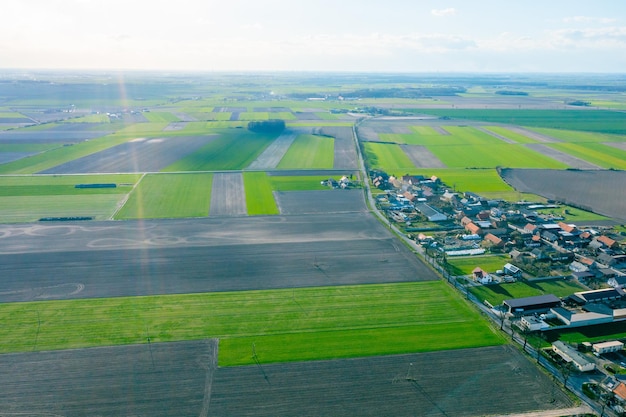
(181, 379)
(470, 382)
(162, 379)
(598, 191)
(200, 255)
(567, 159)
(227, 196)
(317, 202)
(422, 157)
(271, 156)
(67, 133)
(139, 155)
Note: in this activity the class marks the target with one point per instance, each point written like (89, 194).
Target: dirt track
(272, 155)
(228, 197)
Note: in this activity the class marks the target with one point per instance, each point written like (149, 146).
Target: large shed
(539, 303)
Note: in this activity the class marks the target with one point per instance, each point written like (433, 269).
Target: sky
(316, 35)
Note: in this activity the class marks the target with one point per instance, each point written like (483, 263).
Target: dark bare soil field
(139, 155)
(109, 259)
(228, 197)
(73, 133)
(13, 156)
(472, 382)
(316, 202)
(306, 116)
(598, 191)
(165, 379)
(422, 157)
(16, 120)
(345, 148)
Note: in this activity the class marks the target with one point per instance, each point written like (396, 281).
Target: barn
(536, 304)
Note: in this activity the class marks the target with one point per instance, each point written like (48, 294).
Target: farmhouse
(536, 304)
(570, 355)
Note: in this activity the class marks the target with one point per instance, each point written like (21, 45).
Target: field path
(228, 197)
(495, 135)
(211, 367)
(422, 157)
(533, 135)
(617, 145)
(441, 130)
(271, 156)
(568, 159)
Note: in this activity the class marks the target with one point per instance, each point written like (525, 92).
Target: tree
(267, 126)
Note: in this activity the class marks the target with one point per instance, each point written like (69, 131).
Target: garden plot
(153, 379)
(462, 383)
(563, 157)
(314, 202)
(228, 196)
(272, 155)
(138, 155)
(598, 191)
(422, 157)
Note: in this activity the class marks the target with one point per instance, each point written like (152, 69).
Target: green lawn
(169, 196)
(259, 196)
(233, 150)
(309, 152)
(283, 325)
(497, 293)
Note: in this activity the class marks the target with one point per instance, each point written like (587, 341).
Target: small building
(432, 214)
(536, 304)
(607, 347)
(494, 240)
(533, 323)
(572, 356)
(481, 276)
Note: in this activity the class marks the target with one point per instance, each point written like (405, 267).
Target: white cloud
(443, 12)
(589, 19)
(606, 37)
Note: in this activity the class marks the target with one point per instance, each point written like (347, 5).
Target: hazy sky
(337, 35)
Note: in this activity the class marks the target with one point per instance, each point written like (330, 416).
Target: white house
(607, 347)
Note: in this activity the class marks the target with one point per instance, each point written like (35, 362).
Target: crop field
(510, 134)
(259, 194)
(386, 157)
(91, 118)
(598, 191)
(454, 383)
(587, 120)
(595, 153)
(475, 180)
(470, 147)
(465, 265)
(579, 137)
(169, 196)
(159, 117)
(137, 155)
(298, 183)
(230, 151)
(497, 293)
(284, 325)
(309, 152)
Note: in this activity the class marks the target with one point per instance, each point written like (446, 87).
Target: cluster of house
(344, 182)
(475, 225)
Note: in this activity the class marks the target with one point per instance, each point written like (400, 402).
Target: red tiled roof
(606, 241)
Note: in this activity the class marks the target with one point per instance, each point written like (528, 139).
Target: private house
(618, 281)
(481, 276)
(473, 229)
(510, 269)
(606, 241)
(494, 240)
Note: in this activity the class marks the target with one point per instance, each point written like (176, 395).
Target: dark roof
(533, 301)
(590, 296)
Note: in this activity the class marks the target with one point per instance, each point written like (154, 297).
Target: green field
(583, 119)
(259, 196)
(475, 180)
(298, 183)
(233, 150)
(386, 157)
(509, 134)
(496, 293)
(309, 152)
(602, 155)
(28, 147)
(577, 136)
(169, 196)
(465, 265)
(283, 325)
(467, 147)
(30, 208)
(159, 117)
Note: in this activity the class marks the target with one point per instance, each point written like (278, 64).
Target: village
(538, 244)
